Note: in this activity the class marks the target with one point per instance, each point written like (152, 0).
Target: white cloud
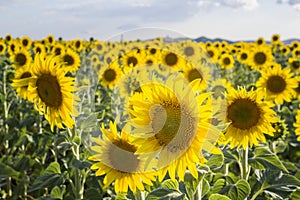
(245, 4)
(294, 3)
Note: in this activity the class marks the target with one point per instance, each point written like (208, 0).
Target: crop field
(152, 119)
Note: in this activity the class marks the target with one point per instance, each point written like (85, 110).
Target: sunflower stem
(244, 167)
(198, 192)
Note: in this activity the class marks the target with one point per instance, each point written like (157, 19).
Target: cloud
(294, 3)
(245, 4)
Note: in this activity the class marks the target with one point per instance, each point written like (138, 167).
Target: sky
(133, 19)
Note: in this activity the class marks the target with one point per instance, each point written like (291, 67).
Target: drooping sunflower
(70, 60)
(21, 81)
(173, 126)
(110, 75)
(2, 47)
(249, 116)
(116, 159)
(52, 92)
(260, 57)
(20, 58)
(297, 125)
(277, 84)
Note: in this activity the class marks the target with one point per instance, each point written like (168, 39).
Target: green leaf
(215, 161)
(265, 159)
(53, 168)
(58, 192)
(240, 190)
(47, 181)
(205, 187)
(80, 164)
(218, 186)
(164, 193)
(170, 184)
(295, 194)
(275, 183)
(6, 171)
(218, 197)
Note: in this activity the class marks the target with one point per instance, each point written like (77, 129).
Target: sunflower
(297, 125)
(21, 81)
(8, 38)
(50, 40)
(38, 48)
(285, 50)
(70, 60)
(191, 51)
(212, 53)
(110, 75)
(172, 60)
(58, 49)
(77, 45)
(51, 92)
(277, 83)
(173, 126)
(296, 93)
(226, 61)
(249, 116)
(116, 159)
(243, 56)
(20, 58)
(260, 41)
(275, 39)
(296, 52)
(294, 63)
(295, 44)
(132, 59)
(99, 47)
(26, 42)
(219, 87)
(260, 58)
(2, 47)
(198, 77)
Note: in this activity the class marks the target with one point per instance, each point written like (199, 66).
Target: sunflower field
(149, 120)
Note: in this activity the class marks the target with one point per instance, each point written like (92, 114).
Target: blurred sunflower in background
(21, 81)
(198, 77)
(116, 159)
(2, 47)
(260, 58)
(26, 42)
(277, 84)
(70, 60)
(226, 61)
(249, 116)
(52, 92)
(20, 57)
(110, 75)
(297, 125)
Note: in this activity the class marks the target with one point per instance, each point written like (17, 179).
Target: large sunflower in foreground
(116, 159)
(51, 92)
(297, 125)
(249, 118)
(174, 126)
(277, 83)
